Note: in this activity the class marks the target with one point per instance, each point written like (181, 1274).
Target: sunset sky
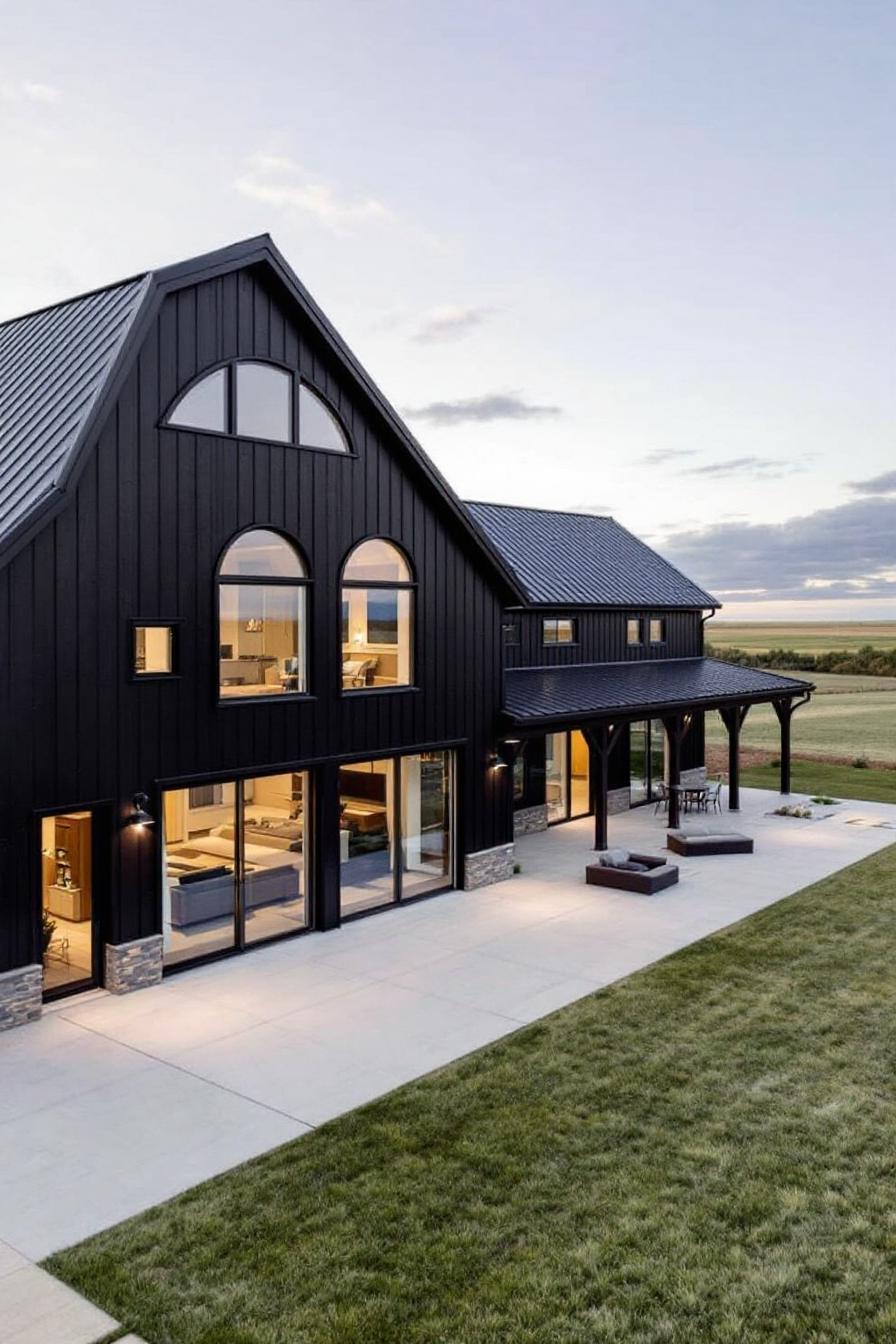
(621, 257)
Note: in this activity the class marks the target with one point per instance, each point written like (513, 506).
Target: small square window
(511, 632)
(633, 631)
(559, 630)
(657, 631)
(153, 651)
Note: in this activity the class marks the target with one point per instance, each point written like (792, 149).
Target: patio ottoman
(643, 873)
(694, 843)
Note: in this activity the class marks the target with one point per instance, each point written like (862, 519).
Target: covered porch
(603, 699)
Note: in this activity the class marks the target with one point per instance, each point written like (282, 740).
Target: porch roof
(542, 695)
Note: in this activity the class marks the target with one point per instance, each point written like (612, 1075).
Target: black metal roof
(577, 559)
(53, 365)
(540, 694)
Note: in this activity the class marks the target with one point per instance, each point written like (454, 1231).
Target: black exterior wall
(601, 637)
(140, 537)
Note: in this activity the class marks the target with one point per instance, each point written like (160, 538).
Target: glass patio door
(556, 781)
(647, 760)
(68, 888)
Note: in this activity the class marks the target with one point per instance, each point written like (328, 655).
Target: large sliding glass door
(567, 776)
(396, 829)
(234, 864)
(647, 759)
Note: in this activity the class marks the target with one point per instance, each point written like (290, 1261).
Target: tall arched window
(377, 617)
(254, 399)
(262, 587)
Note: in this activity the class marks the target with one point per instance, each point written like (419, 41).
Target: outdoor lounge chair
(644, 873)
(703, 841)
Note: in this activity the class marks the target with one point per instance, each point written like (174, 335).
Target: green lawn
(701, 1154)
(803, 636)
(823, 777)
(848, 716)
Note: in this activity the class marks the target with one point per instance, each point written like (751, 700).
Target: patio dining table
(691, 795)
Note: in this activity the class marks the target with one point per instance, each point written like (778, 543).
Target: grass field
(847, 717)
(803, 636)
(824, 777)
(700, 1154)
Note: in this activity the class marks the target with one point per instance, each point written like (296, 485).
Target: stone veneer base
(136, 965)
(528, 820)
(21, 996)
(488, 866)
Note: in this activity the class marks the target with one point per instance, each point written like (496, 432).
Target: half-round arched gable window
(254, 399)
(262, 617)
(377, 617)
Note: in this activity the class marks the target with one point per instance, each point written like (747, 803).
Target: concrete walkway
(110, 1105)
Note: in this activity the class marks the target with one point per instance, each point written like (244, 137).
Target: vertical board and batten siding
(142, 536)
(602, 637)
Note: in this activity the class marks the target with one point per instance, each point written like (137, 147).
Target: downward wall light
(140, 816)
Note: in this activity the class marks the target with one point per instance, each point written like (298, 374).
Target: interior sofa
(704, 841)
(643, 873)
(194, 900)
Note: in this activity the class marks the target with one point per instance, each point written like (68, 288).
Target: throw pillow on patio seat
(614, 858)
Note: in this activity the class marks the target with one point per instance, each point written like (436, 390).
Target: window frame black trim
(234, 580)
(298, 380)
(173, 623)
(409, 585)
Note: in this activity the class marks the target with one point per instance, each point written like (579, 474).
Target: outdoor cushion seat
(643, 873)
(701, 840)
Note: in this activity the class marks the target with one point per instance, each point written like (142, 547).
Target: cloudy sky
(628, 256)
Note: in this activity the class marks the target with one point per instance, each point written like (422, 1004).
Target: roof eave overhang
(651, 709)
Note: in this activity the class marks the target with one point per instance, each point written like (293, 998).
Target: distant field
(847, 717)
(804, 637)
(837, 781)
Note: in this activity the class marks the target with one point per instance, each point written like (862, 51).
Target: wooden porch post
(785, 710)
(733, 718)
(601, 738)
(672, 726)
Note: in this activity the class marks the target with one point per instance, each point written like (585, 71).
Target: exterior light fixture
(140, 817)
(495, 762)
(508, 750)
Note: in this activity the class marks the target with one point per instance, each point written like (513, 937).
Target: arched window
(262, 589)
(257, 400)
(377, 617)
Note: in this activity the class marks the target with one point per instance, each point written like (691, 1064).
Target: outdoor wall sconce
(140, 817)
(508, 750)
(495, 762)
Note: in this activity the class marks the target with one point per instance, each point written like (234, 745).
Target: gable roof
(580, 559)
(61, 368)
(53, 365)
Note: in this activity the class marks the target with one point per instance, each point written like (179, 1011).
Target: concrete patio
(225, 1062)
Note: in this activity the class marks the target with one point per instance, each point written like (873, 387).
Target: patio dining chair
(713, 797)
(662, 797)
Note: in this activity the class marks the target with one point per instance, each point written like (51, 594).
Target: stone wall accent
(21, 991)
(134, 965)
(488, 866)
(694, 778)
(618, 800)
(528, 820)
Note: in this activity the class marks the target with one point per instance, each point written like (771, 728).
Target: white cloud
(449, 322)
(28, 91)
(276, 180)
